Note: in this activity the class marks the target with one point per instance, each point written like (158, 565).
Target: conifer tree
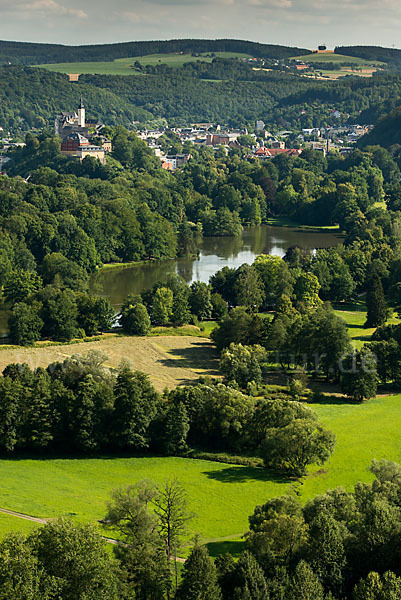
(40, 421)
(304, 584)
(83, 415)
(376, 304)
(135, 406)
(10, 395)
(176, 428)
(250, 580)
(199, 581)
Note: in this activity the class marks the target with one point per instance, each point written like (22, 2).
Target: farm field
(221, 495)
(360, 68)
(335, 58)
(123, 66)
(169, 360)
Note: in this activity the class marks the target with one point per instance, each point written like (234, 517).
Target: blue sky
(304, 23)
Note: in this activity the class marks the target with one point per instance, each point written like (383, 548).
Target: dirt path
(12, 513)
(22, 516)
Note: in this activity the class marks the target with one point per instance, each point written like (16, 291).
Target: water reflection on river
(215, 253)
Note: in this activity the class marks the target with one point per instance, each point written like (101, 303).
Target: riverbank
(287, 222)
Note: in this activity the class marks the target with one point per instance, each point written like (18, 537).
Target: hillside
(371, 53)
(386, 132)
(32, 97)
(225, 91)
(28, 53)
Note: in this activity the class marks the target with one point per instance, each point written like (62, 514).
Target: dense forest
(29, 53)
(31, 98)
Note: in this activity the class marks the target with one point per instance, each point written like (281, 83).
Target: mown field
(124, 66)
(221, 495)
(169, 360)
(360, 67)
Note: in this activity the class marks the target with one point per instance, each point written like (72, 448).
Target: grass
(355, 317)
(124, 66)
(221, 495)
(363, 432)
(9, 524)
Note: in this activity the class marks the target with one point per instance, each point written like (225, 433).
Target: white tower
(81, 114)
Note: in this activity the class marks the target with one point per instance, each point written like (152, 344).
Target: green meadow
(221, 495)
(355, 317)
(124, 66)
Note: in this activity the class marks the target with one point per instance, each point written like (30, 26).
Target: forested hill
(28, 53)
(31, 97)
(388, 55)
(386, 132)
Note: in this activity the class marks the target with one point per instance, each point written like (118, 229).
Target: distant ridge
(28, 53)
(374, 53)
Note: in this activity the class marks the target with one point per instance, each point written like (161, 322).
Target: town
(81, 137)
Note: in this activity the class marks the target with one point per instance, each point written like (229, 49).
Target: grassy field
(124, 66)
(355, 318)
(222, 496)
(360, 67)
(169, 360)
(9, 524)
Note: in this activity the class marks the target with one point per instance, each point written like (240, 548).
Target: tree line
(33, 53)
(78, 405)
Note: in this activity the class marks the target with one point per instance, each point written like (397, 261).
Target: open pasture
(355, 320)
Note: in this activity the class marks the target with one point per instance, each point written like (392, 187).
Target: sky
(302, 23)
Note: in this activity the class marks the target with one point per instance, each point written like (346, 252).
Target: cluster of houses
(81, 137)
(265, 146)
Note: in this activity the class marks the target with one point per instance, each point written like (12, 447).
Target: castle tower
(81, 114)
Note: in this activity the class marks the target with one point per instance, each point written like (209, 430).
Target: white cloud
(50, 7)
(129, 15)
(272, 3)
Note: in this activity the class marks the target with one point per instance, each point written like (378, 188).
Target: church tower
(81, 114)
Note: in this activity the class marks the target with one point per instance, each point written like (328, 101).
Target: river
(216, 252)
